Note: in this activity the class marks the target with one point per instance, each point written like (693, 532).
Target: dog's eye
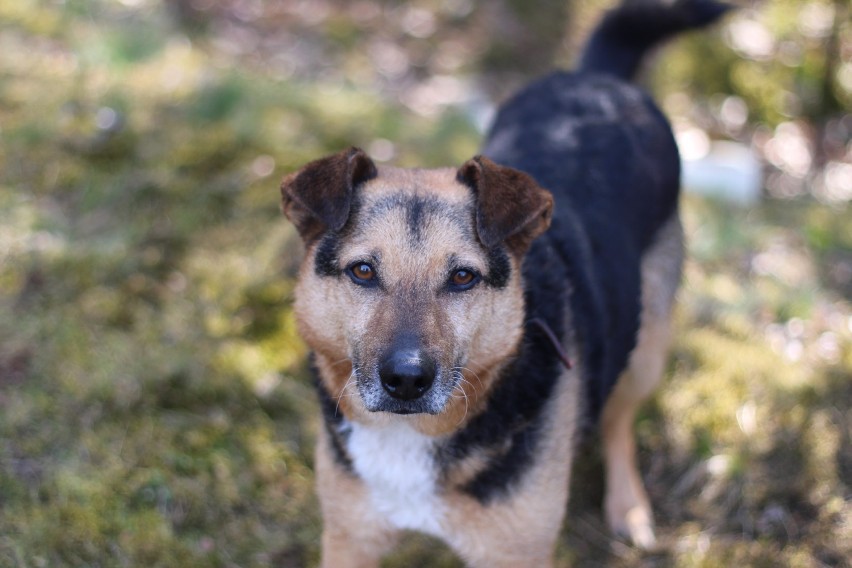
(463, 279)
(362, 273)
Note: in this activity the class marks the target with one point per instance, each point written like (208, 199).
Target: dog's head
(410, 292)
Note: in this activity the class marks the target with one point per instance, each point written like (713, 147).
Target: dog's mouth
(404, 411)
(377, 396)
(429, 403)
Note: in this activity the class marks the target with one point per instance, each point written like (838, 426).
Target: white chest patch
(397, 465)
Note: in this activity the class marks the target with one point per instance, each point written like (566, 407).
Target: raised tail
(626, 33)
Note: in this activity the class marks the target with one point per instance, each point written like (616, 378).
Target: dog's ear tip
(470, 172)
(287, 181)
(477, 160)
(362, 166)
(318, 197)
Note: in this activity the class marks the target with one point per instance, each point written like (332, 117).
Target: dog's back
(593, 138)
(577, 132)
(606, 152)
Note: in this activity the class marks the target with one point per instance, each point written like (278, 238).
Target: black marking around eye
(326, 262)
(499, 268)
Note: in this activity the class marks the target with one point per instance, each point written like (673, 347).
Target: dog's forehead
(439, 183)
(415, 202)
(425, 216)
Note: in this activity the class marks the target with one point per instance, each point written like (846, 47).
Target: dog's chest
(398, 467)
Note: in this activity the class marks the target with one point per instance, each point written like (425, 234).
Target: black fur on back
(608, 156)
(607, 153)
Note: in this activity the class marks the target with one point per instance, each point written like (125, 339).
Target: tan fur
(626, 504)
(522, 530)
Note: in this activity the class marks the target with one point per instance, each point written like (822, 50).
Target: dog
(466, 323)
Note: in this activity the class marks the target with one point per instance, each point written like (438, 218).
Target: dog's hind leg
(626, 504)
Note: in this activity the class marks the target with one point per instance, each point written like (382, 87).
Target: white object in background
(722, 169)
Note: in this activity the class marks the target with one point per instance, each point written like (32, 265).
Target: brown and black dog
(466, 323)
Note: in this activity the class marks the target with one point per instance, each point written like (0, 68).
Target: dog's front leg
(353, 547)
(506, 535)
(354, 536)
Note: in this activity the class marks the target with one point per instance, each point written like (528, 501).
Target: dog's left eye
(463, 279)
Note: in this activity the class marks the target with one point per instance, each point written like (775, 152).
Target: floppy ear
(510, 206)
(318, 197)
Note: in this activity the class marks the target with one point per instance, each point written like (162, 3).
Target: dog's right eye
(362, 273)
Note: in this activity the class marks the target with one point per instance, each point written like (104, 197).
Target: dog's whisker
(473, 373)
(340, 362)
(460, 379)
(349, 382)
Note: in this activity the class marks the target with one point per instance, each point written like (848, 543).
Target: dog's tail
(626, 33)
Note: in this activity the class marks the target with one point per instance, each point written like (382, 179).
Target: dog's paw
(632, 521)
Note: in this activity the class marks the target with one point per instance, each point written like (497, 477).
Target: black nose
(407, 374)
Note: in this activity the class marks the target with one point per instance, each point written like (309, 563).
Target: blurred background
(155, 405)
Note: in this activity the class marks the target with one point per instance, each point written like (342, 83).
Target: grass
(155, 407)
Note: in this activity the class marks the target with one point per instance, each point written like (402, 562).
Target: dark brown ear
(510, 205)
(318, 197)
